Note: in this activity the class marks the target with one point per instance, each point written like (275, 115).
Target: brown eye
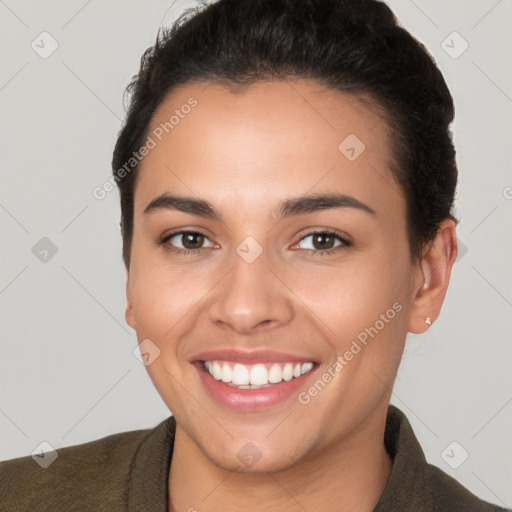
(185, 242)
(192, 240)
(324, 242)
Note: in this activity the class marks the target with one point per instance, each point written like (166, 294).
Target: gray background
(67, 370)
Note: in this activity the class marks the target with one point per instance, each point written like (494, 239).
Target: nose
(251, 297)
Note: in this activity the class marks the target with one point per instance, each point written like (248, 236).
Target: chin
(258, 468)
(250, 460)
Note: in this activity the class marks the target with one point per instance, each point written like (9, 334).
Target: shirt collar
(406, 481)
(149, 472)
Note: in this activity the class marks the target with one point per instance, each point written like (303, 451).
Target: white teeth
(247, 377)
(216, 370)
(226, 375)
(288, 372)
(240, 375)
(275, 374)
(259, 375)
(306, 367)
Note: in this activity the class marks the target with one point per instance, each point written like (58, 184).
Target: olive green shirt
(129, 472)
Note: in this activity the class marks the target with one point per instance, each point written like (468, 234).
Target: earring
(428, 321)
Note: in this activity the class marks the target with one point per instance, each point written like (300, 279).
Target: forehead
(266, 141)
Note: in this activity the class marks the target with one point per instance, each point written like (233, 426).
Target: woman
(286, 175)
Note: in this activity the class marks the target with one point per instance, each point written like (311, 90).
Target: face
(257, 278)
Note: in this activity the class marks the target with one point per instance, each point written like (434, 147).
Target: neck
(348, 476)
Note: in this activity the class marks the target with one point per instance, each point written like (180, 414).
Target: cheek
(362, 305)
(164, 308)
(353, 295)
(164, 298)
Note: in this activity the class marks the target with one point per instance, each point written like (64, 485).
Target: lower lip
(250, 399)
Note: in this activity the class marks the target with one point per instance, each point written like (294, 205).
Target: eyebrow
(294, 206)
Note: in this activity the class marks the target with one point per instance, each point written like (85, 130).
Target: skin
(245, 153)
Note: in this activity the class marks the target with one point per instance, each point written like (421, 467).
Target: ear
(432, 276)
(129, 316)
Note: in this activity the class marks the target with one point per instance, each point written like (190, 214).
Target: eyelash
(323, 252)
(315, 252)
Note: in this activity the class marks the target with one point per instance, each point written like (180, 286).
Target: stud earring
(428, 321)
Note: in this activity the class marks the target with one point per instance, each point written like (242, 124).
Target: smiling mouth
(256, 376)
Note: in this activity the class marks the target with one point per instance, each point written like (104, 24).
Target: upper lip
(249, 356)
